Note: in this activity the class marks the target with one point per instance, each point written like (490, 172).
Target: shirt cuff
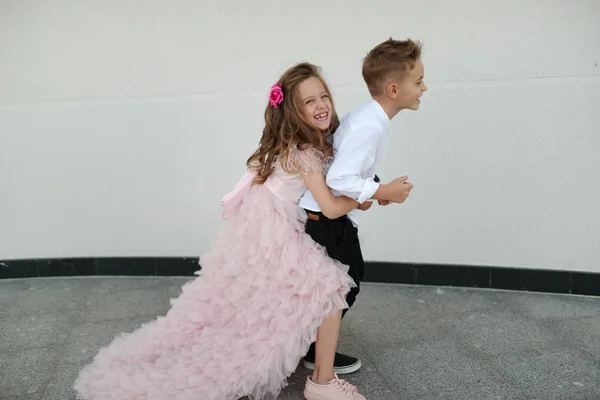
(368, 190)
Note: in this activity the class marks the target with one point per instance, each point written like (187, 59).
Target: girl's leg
(326, 344)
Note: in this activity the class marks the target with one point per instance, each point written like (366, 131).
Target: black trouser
(340, 238)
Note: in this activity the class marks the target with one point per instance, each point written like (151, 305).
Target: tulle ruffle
(241, 327)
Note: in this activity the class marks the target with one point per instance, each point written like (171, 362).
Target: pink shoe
(336, 389)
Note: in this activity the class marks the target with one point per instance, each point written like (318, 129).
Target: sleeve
(306, 161)
(356, 153)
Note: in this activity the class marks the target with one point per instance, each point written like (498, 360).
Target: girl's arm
(331, 206)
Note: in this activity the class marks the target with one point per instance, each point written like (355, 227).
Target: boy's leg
(352, 256)
(340, 239)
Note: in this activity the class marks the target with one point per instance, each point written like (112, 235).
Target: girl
(264, 291)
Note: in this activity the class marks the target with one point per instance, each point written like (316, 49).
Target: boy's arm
(356, 153)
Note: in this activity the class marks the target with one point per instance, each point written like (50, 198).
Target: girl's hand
(383, 202)
(365, 206)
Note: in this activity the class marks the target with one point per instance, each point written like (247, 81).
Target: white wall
(122, 123)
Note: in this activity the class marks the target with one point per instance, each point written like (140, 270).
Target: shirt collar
(384, 120)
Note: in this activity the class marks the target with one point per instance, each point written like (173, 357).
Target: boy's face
(407, 91)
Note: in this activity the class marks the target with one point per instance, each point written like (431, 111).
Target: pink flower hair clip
(276, 95)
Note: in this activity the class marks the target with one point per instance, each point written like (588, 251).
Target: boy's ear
(392, 90)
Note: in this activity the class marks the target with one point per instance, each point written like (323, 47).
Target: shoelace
(345, 386)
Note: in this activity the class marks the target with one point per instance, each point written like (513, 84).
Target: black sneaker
(342, 364)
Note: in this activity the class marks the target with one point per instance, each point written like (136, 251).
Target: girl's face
(315, 104)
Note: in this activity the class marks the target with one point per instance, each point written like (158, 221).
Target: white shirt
(358, 144)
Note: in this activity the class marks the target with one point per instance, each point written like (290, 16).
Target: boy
(393, 72)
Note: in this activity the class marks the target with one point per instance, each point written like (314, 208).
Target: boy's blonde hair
(389, 59)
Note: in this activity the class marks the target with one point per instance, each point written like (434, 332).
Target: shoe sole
(314, 398)
(338, 370)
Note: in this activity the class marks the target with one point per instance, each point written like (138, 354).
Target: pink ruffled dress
(241, 327)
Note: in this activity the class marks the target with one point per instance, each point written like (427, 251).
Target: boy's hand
(400, 189)
(365, 206)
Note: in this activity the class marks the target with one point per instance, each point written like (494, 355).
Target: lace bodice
(291, 186)
(287, 186)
